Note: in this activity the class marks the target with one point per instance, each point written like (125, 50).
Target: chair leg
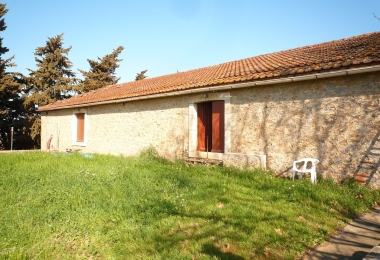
(293, 173)
(313, 177)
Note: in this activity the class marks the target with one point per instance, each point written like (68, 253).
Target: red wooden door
(211, 126)
(218, 126)
(204, 126)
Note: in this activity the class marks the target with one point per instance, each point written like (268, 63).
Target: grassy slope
(68, 206)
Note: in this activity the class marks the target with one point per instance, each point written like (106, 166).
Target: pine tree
(102, 72)
(53, 80)
(9, 89)
(141, 75)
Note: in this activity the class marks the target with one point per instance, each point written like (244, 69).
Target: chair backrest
(305, 162)
(316, 161)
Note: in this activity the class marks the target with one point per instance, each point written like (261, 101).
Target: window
(80, 127)
(210, 118)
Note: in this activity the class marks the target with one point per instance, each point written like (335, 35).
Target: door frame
(193, 125)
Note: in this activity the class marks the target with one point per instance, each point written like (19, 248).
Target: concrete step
(193, 160)
(374, 254)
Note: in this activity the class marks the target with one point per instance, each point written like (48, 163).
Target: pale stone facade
(333, 119)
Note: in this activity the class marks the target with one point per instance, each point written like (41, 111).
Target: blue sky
(167, 36)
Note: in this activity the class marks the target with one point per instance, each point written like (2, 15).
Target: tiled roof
(358, 51)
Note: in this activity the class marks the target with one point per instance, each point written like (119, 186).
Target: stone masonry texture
(332, 119)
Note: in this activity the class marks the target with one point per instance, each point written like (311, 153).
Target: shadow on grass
(219, 229)
(213, 251)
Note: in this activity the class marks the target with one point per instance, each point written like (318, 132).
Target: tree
(52, 80)
(10, 99)
(141, 75)
(102, 72)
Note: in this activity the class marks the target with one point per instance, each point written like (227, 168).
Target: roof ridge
(271, 53)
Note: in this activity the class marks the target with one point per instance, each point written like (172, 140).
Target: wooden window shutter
(218, 126)
(80, 127)
(204, 126)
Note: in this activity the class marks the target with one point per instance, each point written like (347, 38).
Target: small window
(80, 127)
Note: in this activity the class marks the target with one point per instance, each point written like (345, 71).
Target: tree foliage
(141, 75)
(102, 72)
(53, 79)
(10, 100)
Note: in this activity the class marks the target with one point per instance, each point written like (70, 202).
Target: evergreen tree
(53, 80)
(102, 72)
(141, 75)
(10, 100)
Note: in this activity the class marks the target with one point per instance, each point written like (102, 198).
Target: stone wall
(332, 119)
(122, 129)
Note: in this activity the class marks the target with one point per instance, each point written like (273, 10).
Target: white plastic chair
(304, 168)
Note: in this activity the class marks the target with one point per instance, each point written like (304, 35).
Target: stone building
(319, 101)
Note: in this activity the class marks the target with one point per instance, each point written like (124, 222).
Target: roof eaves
(322, 75)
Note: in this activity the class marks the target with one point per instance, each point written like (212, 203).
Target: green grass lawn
(67, 206)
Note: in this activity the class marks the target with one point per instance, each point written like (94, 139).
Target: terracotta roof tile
(362, 50)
